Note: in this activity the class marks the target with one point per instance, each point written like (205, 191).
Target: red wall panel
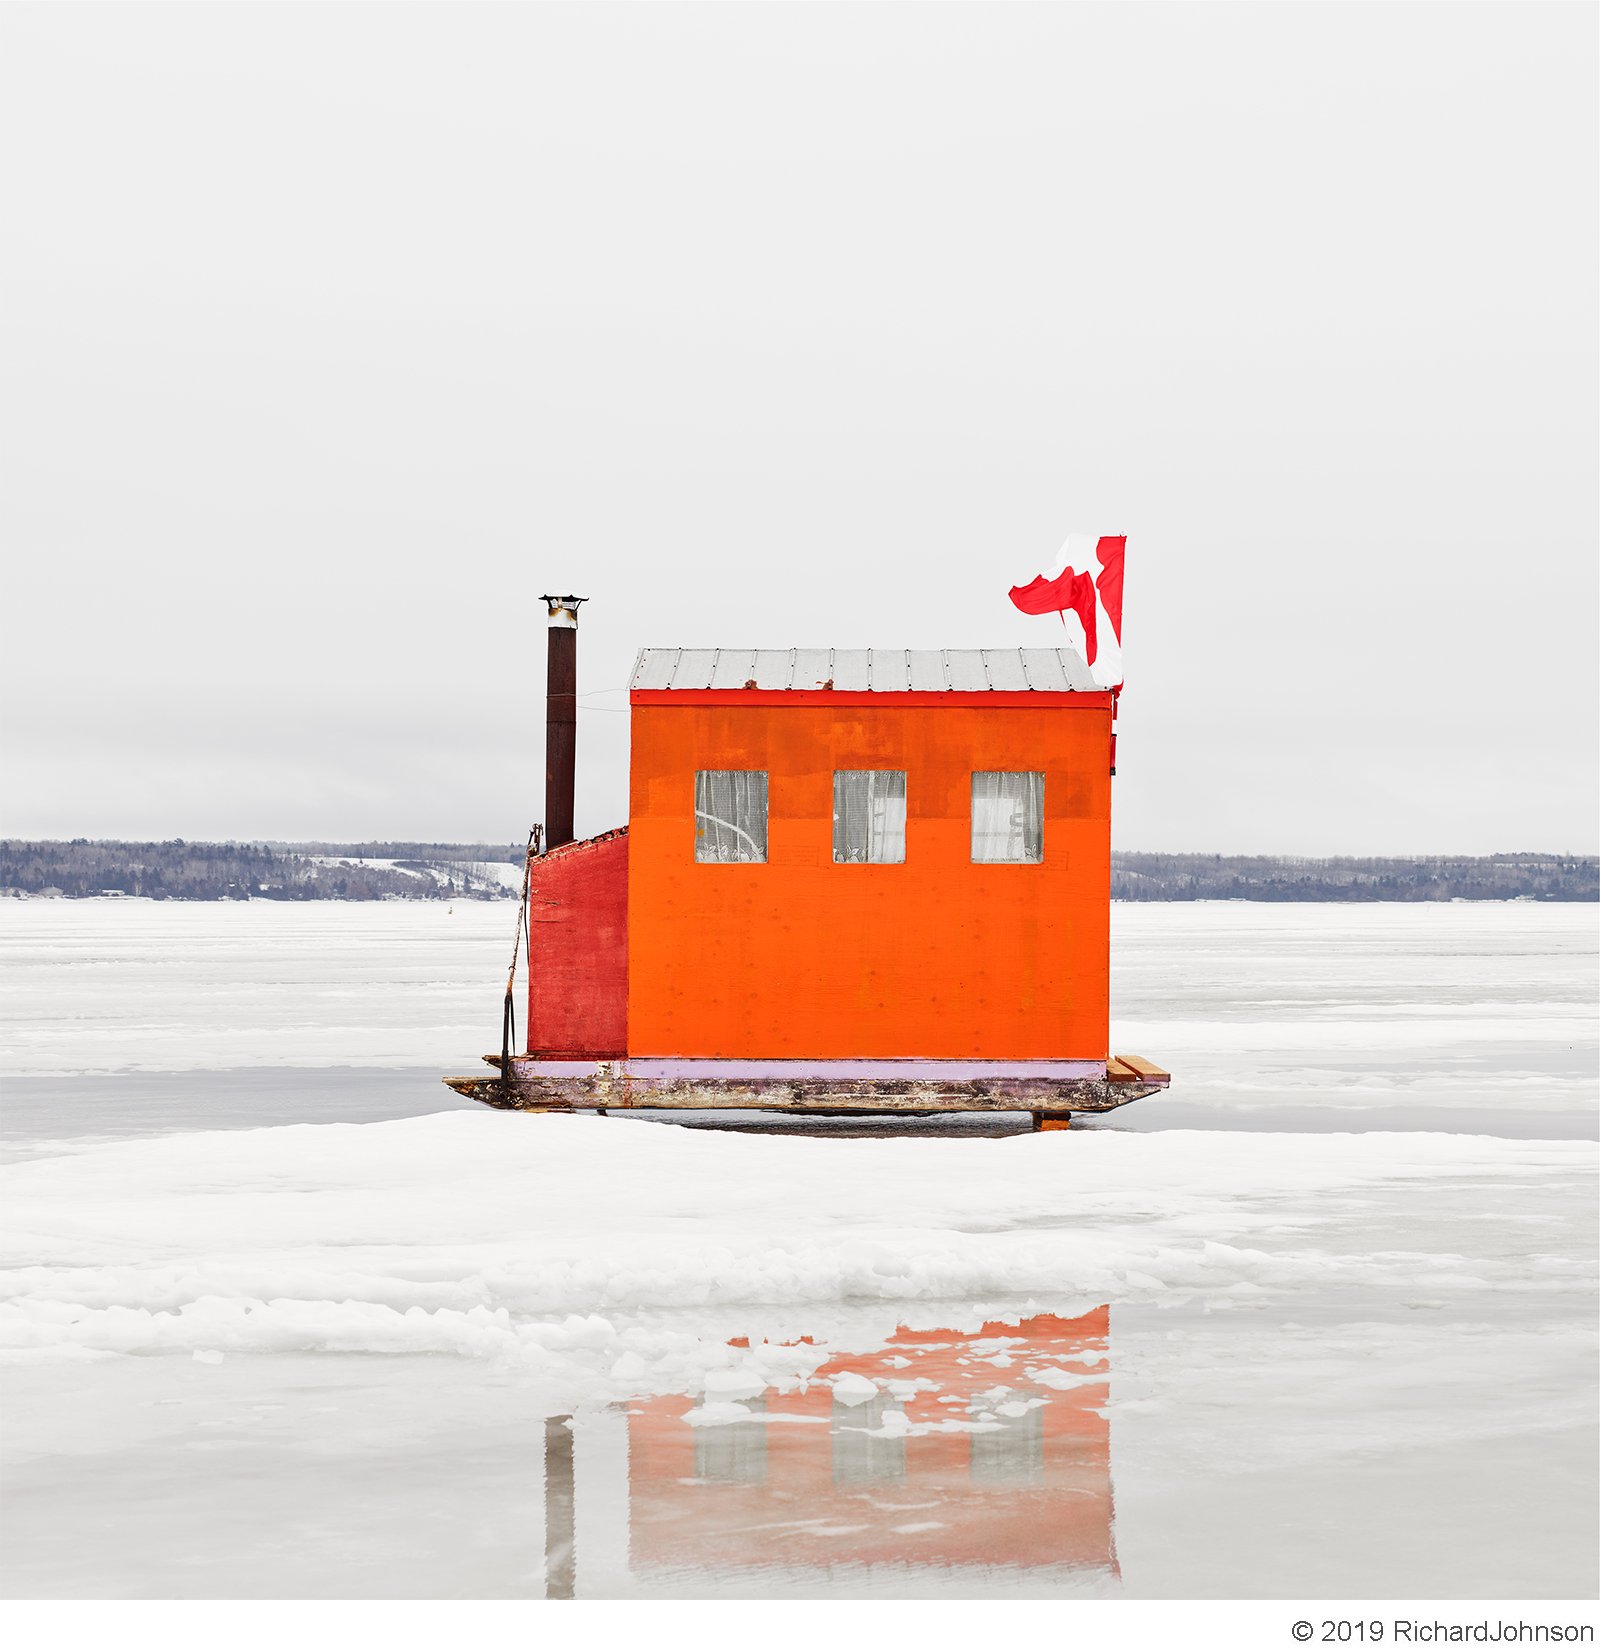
(578, 949)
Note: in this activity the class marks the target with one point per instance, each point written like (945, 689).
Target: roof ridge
(1003, 669)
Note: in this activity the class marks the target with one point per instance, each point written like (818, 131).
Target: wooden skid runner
(535, 1086)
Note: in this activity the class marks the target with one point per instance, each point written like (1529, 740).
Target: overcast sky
(333, 336)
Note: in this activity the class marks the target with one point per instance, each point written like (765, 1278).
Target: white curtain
(869, 816)
(730, 816)
(1007, 818)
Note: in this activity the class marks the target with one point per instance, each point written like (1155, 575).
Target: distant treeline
(453, 870)
(252, 870)
(1446, 877)
(486, 853)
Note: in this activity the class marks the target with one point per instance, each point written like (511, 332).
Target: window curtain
(1007, 818)
(869, 817)
(730, 816)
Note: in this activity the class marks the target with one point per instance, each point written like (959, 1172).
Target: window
(869, 817)
(1007, 818)
(730, 816)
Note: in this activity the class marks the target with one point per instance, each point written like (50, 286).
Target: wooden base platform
(1047, 1088)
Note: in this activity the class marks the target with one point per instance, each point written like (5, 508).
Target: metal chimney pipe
(561, 719)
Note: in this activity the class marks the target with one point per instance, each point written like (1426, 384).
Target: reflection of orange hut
(936, 1451)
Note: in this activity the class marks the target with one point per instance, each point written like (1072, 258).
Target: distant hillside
(253, 870)
(442, 870)
(1447, 877)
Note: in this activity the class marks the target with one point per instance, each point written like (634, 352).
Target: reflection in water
(936, 1456)
(559, 1503)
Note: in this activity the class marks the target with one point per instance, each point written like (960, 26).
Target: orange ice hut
(852, 880)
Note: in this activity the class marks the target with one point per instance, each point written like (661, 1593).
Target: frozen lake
(1478, 1018)
(283, 1317)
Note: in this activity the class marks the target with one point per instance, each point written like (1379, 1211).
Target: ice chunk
(1062, 1380)
(718, 1414)
(851, 1388)
(724, 1384)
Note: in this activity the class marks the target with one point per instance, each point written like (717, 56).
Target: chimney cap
(563, 609)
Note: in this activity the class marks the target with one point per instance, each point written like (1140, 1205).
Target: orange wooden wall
(937, 958)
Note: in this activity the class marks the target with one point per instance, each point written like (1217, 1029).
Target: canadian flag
(1092, 598)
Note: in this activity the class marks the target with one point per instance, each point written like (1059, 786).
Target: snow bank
(545, 1240)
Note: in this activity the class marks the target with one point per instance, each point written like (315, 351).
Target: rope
(508, 1019)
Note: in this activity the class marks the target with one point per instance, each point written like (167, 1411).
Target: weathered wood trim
(1145, 1070)
(537, 1085)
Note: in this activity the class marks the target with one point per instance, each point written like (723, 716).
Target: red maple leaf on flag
(1071, 591)
(1082, 593)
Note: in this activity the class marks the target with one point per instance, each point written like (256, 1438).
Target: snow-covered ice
(499, 1235)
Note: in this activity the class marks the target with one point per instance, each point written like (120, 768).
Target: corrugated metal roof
(866, 669)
